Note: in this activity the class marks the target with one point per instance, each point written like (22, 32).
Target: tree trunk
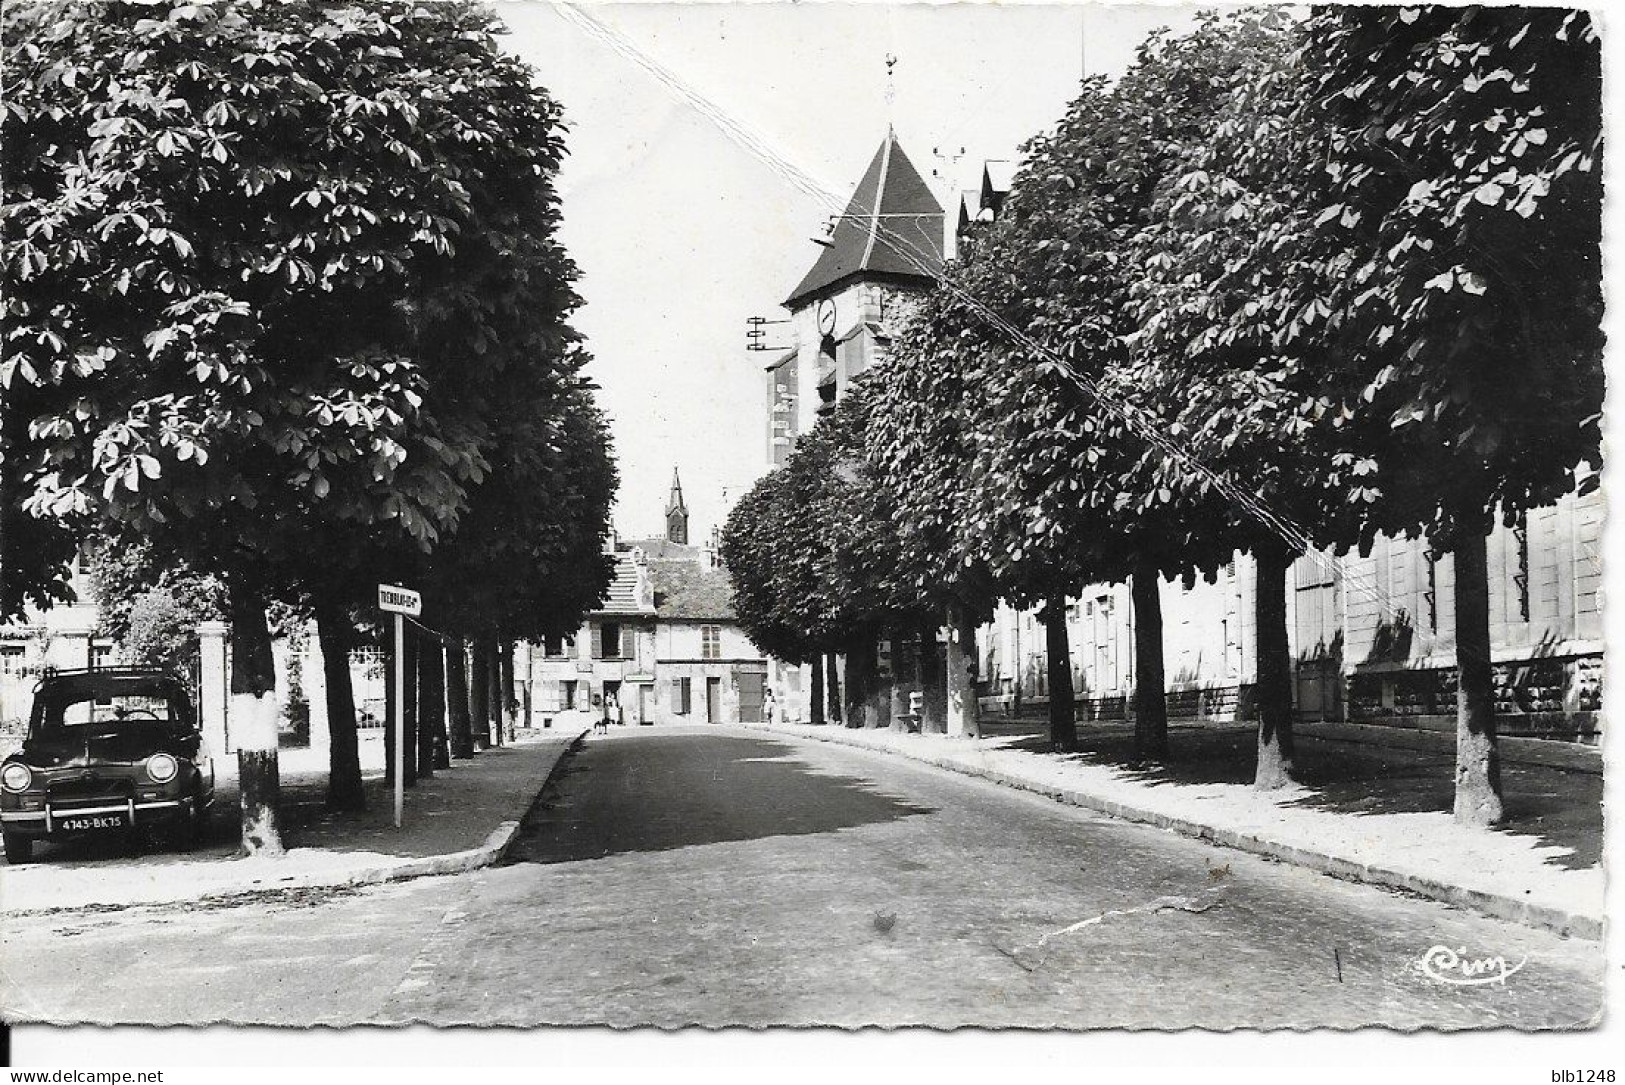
(815, 699)
(933, 696)
(253, 713)
(857, 682)
(409, 710)
(832, 687)
(510, 705)
(877, 691)
(1063, 719)
(431, 702)
(344, 790)
(441, 735)
(389, 707)
(460, 724)
(1478, 761)
(494, 661)
(527, 710)
(1274, 690)
(1016, 666)
(479, 694)
(963, 715)
(898, 690)
(1150, 698)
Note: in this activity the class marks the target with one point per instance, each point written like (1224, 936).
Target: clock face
(826, 316)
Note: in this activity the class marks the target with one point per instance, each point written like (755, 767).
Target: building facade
(664, 646)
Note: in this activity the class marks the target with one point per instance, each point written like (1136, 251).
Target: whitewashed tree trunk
(254, 721)
(963, 717)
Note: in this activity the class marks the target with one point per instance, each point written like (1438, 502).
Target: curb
(495, 848)
(1496, 906)
(493, 851)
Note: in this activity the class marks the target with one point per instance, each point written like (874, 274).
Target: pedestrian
(601, 709)
(620, 712)
(770, 707)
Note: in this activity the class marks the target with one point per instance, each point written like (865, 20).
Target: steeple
(676, 513)
(891, 231)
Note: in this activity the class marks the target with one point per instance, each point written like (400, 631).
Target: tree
(812, 552)
(1067, 453)
(1462, 191)
(1384, 272)
(1211, 256)
(921, 445)
(264, 267)
(544, 512)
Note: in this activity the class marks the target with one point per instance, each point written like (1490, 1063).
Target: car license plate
(83, 823)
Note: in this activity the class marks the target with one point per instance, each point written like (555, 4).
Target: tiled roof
(892, 226)
(688, 591)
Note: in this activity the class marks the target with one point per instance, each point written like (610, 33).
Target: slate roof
(891, 227)
(998, 175)
(688, 591)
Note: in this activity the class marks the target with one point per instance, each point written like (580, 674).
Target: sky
(682, 232)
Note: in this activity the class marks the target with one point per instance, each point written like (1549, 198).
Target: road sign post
(399, 602)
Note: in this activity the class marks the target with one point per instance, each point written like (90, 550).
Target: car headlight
(16, 777)
(161, 768)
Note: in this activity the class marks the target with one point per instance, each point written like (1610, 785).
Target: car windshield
(103, 700)
(115, 708)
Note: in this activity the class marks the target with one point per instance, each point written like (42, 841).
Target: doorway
(751, 685)
(713, 700)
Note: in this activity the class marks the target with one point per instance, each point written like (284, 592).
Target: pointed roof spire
(891, 228)
(676, 503)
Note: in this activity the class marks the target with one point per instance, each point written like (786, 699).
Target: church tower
(676, 513)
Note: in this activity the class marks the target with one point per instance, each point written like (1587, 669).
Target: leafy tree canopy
(267, 265)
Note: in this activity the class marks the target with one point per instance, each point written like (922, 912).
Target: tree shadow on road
(1558, 808)
(659, 793)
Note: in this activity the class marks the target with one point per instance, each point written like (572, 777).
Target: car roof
(102, 682)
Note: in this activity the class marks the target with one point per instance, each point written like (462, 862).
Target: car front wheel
(19, 848)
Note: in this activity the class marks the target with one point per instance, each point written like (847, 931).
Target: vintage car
(108, 751)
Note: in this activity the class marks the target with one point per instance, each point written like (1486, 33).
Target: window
(567, 694)
(555, 646)
(12, 658)
(682, 694)
(710, 642)
(609, 641)
(100, 656)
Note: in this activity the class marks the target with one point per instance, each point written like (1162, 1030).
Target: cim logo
(1445, 965)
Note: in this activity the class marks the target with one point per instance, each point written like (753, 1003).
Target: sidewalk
(1377, 815)
(461, 819)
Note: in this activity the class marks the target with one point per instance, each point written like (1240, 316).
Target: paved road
(715, 877)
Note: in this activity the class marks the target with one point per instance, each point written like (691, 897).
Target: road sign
(399, 600)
